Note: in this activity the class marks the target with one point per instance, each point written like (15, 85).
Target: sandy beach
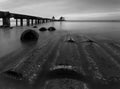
(94, 56)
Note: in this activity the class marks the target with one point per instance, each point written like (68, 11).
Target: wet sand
(99, 59)
(96, 59)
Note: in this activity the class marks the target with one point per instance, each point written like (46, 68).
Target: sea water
(10, 38)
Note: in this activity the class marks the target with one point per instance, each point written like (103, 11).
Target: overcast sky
(71, 9)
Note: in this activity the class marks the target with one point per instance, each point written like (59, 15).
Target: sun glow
(83, 16)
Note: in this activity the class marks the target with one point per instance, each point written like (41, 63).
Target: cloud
(60, 7)
(75, 4)
(42, 9)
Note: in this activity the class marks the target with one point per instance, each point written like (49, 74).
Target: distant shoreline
(93, 20)
(82, 21)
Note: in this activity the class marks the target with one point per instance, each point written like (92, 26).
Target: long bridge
(30, 20)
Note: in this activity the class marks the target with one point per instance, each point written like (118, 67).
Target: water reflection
(10, 38)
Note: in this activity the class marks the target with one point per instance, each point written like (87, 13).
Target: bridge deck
(92, 56)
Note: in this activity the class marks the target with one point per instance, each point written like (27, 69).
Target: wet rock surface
(34, 26)
(51, 29)
(43, 29)
(13, 74)
(29, 35)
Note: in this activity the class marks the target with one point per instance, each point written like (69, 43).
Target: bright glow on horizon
(87, 16)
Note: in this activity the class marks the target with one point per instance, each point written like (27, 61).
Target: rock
(43, 29)
(11, 27)
(13, 74)
(65, 73)
(70, 40)
(29, 35)
(51, 29)
(34, 26)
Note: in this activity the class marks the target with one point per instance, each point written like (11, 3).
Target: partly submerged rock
(29, 35)
(51, 29)
(90, 41)
(65, 73)
(34, 26)
(13, 75)
(43, 29)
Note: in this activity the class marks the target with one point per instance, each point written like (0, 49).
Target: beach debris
(34, 26)
(43, 29)
(11, 27)
(29, 35)
(51, 29)
(90, 41)
(68, 72)
(13, 74)
(6, 27)
(61, 66)
(70, 40)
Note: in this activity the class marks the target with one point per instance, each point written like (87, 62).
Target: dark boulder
(51, 29)
(11, 27)
(34, 26)
(43, 29)
(63, 73)
(29, 35)
(13, 74)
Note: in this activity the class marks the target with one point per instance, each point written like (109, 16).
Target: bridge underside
(7, 15)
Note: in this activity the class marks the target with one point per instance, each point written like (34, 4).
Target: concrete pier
(6, 19)
(29, 19)
(6, 22)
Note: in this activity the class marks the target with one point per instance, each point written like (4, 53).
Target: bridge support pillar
(40, 21)
(6, 22)
(32, 22)
(44, 21)
(36, 22)
(28, 22)
(16, 22)
(21, 22)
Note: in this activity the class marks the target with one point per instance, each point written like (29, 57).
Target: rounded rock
(43, 29)
(34, 26)
(51, 29)
(29, 35)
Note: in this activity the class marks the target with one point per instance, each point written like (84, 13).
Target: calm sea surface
(10, 38)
